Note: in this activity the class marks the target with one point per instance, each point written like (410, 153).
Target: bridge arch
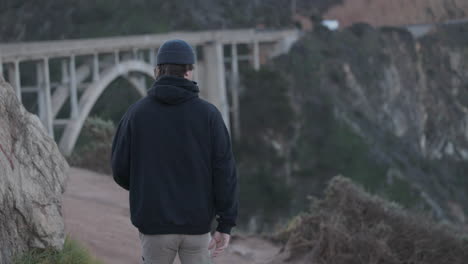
(92, 94)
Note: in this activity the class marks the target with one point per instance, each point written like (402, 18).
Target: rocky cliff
(32, 178)
(376, 105)
(408, 99)
(414, 90)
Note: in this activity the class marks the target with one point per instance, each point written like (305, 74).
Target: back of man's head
(175, 57)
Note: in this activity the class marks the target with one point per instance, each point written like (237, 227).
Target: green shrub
(266, 124)
(72, 253)
(94, 145)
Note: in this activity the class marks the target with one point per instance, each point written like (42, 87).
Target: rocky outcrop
(414, 90)
(32, 178)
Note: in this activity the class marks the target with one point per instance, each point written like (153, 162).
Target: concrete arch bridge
(86, 67)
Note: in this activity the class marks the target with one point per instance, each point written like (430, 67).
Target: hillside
(59, 19)
(86, 19)
(376, 105)
(397, 12)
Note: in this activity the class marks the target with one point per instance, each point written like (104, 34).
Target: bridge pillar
(235, 91)
(48, 99)
(95, 67)
(139, 80)
(73, 89)
(44, 95)
(40, 91)
(256, 55)
(64, 71)
(14, 78)
(116, 57)
(152, 57)
(196, 72)
(18, 80)
(1, 69)
(213, 79)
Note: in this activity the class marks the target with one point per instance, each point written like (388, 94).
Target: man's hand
(219, 242)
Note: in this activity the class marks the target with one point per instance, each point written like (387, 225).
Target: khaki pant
(162, 249)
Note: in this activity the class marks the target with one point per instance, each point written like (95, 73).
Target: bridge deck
(11, 52)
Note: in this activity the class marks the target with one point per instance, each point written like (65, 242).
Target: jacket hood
(173, 90)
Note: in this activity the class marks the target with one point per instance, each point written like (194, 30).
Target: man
(173, 152)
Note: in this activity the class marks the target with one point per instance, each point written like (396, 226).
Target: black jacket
(173, 152)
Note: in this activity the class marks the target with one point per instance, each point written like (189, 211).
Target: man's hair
(178, 70)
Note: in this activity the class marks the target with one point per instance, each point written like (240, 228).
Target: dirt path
(96, 213)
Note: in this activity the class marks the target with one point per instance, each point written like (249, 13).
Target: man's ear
(187, 74)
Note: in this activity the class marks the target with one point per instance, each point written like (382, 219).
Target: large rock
(32, 178)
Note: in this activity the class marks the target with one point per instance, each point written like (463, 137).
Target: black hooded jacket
(173, 152)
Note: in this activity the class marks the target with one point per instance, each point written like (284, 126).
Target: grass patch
(72, 253)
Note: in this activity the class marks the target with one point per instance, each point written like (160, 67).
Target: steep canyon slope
(376, 105)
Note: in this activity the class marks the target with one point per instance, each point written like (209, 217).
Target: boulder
(32, 180)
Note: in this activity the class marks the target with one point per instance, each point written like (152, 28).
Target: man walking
(173, 152)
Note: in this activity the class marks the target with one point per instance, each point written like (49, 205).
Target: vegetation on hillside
(267, 120)
(351, 226)
(99, 18)
(287, 154)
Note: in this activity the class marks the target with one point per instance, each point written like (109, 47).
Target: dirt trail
(96, 213)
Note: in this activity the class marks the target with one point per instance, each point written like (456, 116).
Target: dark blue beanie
(175, 51)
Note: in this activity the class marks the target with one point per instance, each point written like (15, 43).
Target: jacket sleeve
(120, 157)
(224, 176)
